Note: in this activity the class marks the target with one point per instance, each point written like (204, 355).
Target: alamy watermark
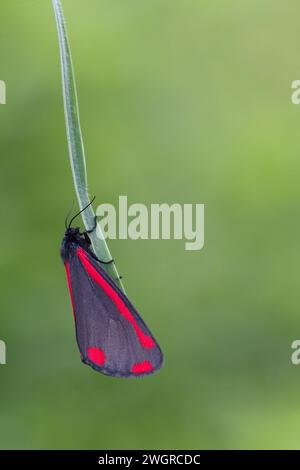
(2, 352)
(2, 92)
(295, 356)
(158, 221)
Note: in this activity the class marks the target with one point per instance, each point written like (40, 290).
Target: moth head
(72, 232)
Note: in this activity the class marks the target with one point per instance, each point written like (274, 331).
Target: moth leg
(92, 254)
(92, 229)
(87, 238)
(88, 241)
(106, 262)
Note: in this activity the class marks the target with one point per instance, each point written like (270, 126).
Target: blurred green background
(181, 101)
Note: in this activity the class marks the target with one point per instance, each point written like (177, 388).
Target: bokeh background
(181, 101)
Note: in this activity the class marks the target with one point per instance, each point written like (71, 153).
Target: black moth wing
(111, 336)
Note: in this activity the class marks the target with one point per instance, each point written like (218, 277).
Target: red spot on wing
(142, 367)
(146, 341)
(70, 287)
(96, 355)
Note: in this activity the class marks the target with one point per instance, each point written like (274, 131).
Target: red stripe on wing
(70, 287)
(146, 341)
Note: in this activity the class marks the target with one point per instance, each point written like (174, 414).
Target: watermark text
(158, 221)
(2, 352)
(2, 92)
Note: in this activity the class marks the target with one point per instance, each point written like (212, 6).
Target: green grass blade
(75, 143)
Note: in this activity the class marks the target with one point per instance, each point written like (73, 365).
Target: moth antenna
(82, 210)
(69, 213)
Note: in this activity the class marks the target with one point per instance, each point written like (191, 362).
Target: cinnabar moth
(111, 336)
